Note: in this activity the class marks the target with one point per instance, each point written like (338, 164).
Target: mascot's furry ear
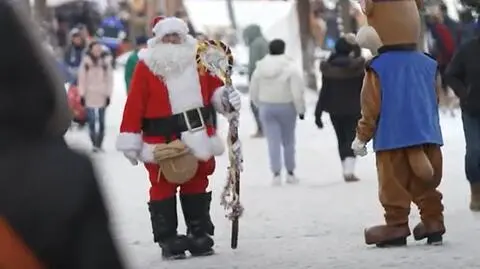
(367, 6)
(419, 4)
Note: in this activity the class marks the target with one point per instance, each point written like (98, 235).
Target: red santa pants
(161, 189)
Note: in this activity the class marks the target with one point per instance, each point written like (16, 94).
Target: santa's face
(172, 38)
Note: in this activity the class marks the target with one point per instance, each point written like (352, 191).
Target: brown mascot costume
(400, 113)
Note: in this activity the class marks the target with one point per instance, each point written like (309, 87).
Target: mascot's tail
(420, 164)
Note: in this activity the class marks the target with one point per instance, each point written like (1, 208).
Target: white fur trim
(367, 37)
(217, 144)
(150, 43)
(146, 155)
(217, 100)
(202, 146)
(170, 25)
(129, 142)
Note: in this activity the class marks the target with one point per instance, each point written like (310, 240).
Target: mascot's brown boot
(387, 236)
(475, 199)
(433, 232)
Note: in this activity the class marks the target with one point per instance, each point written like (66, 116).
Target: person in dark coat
(462, 76)
(342, 78)
(51, 207)
(257, 49)
(74, 53)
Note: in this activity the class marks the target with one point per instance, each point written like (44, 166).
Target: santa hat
(162, 26)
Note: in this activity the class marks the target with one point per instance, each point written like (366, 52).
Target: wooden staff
(216, 57)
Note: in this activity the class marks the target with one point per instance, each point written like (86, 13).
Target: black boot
(196, 209)
(164, 225)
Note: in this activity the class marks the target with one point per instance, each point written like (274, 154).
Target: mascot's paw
(132, 156)
(359, 147)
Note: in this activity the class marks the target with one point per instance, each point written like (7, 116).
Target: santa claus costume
(171, 98)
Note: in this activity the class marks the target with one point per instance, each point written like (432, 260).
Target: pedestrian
(277, 89)
(258, 48)
(95, 85)
(462, 77)
(167, 123)
(444, 44)
(141, 42)
(74, 53)
(342, 79)
(52, 213)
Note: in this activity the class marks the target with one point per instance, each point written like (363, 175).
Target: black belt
(191, 120)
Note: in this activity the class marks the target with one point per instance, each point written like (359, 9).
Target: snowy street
(317, 224)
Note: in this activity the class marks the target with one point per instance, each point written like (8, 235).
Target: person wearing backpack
(95, 85)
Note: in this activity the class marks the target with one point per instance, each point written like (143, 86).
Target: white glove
(359, 147)
(235, 99)
(132, 156)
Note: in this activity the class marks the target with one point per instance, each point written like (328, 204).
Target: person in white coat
(277, 89)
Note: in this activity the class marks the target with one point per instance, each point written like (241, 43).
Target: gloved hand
(107, 102)
(132, 156)
(359, 147)
(82, 101)
(235, 99)
(319, 123)
(301, 116)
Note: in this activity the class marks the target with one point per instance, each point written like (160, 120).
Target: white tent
(278, 19)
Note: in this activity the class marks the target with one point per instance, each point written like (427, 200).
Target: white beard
(169, 60)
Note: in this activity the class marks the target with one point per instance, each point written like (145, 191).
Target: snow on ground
(317, 224)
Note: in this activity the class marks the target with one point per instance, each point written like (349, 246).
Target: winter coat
(276, 80)
(95, 81)
(257, 44)
(342, 79)
(51, 199)
(73, 55)
(49, 196)
(130, 67)
(462, 75)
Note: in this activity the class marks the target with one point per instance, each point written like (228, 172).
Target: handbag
(176, 162)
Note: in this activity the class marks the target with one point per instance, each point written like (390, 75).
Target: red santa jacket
(153, 98)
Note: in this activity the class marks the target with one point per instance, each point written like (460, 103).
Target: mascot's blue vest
(409, 108)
